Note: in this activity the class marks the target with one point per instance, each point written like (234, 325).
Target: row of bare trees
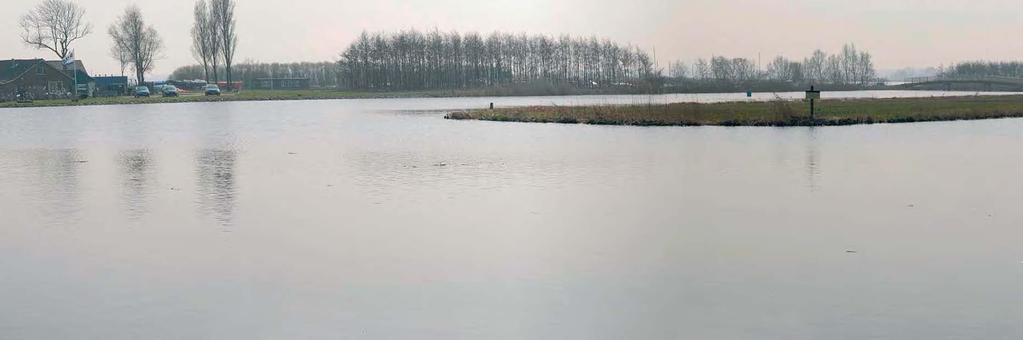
(55, 25)
(321, 75)
(412, 60)
(215, 37)
(849, 67)
(984, 69)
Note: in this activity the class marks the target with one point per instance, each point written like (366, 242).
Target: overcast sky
(900, 33)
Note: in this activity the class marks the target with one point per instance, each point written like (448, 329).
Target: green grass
(253, 95)
(262, 95)
(774, 113)
(248, 95)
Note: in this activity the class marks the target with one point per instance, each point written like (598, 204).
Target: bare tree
(779, 69)
(743, 70)
(140, 42)
(850, 61)
(200, 30)
(866, 68)
(833, 70)
(54, 25)
(678, 69)
(213, 41)
(122, 56)
(225, 24)
(814, 66)
(701, 69)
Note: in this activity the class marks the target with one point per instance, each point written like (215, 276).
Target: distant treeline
(538, 64)
(848, 69)
(985, 68)
(322, 74)
(412, 60)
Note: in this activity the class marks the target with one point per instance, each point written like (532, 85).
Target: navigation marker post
(813, 95)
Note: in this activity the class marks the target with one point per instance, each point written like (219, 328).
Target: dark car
(170, 91)
(212, 90)
(141, 91)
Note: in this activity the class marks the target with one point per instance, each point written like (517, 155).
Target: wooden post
(813, 95)
(491, 106)
(813, 114)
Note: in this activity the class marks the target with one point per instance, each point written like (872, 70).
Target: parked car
(212, 90)
(170, 91)
(141, 91)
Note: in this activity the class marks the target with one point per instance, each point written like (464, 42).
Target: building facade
(39, 79)
(111, 86)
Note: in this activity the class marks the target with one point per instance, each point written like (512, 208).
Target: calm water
(373, 219)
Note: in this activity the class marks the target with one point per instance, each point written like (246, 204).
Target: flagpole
(76, 78)
(71, 57)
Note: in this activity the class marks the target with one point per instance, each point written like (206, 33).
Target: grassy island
(773, 113)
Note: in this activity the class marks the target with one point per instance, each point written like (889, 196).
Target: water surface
(379, 219)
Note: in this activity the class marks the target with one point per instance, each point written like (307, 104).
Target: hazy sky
(899, 33)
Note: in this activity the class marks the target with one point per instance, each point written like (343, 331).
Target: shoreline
(245, 96)
(778, 113)
(319, 94)
(311, 94)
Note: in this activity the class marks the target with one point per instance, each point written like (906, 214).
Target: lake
(378, 219)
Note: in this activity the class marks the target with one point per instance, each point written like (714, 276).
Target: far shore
(326, 94)
(248, 95)
(322, 94)
(772, 113)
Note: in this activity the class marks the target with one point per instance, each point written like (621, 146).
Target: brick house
(40, 79)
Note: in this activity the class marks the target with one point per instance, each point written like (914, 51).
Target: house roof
(12, 69)
(58, 64)
(83, 74)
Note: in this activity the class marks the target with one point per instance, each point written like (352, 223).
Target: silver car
(170, 91)
(212, 90)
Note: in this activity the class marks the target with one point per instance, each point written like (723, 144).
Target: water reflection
(812, 158)
(54, 176)
(216, 183)
(136, 172)
(491, 230)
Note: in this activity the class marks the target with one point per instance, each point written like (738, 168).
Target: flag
(70, 58)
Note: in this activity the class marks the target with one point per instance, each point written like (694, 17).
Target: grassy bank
(776, 113)
(252, 95)
(265, 95)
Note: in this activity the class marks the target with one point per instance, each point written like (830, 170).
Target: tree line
(985, 68)
(55, 25)
(848, 67)
(413, 60)
(322, 74)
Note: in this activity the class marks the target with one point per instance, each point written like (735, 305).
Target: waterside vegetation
(772, 113)
(248, 95)
(311, 94)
